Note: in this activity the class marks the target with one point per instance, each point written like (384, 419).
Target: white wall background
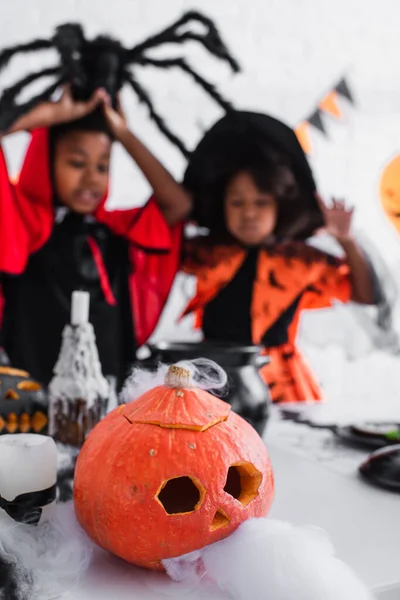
(291, 52)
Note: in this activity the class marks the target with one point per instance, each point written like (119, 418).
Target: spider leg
(211, 40)
(214, 45)
(11, 113)
(8, 53)
(144, 97)
(10, 93)
(182, 64)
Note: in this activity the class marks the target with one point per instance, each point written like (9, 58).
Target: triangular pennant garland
(343, 90)
(329, 105)
(301, 132)
(316, 121)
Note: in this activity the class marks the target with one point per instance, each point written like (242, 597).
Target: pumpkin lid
(177, 405)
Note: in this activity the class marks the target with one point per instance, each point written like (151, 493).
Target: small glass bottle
(78, 392)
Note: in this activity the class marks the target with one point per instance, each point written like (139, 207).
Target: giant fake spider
(103, 62)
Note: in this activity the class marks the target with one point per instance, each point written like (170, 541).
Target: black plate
(367, 441)
(382, 468)
(377, 429)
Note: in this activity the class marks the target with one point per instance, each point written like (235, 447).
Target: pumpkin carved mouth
(220, 520)
(24, 423)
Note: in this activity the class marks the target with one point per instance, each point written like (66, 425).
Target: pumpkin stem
(177, 377)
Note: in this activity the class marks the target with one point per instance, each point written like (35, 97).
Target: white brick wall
(291, 52)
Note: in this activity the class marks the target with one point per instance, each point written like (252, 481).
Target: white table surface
(314, 488)
(363, 522)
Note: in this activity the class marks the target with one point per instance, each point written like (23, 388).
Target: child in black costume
(56, 234)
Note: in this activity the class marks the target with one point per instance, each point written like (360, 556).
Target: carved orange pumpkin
(390, 191)
(170, 473)
(23, 402)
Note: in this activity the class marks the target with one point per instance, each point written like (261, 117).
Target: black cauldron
(247, 392)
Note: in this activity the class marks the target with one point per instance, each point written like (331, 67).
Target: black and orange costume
(126, 259)
(256, 295)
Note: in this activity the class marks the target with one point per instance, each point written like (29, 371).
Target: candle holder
(73, 419)
(78, 391)
(28, 475)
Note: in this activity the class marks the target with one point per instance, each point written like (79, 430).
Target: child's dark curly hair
(268, 151)
(272, 174)
(95, 122)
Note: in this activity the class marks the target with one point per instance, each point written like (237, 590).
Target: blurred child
(56, 234)
(253, 189)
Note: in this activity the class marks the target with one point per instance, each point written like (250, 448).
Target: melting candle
(28, 475)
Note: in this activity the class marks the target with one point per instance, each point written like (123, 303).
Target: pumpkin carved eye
(11, 395)
(181, 495)
(29, 386)
(243, 482)
(13, 372)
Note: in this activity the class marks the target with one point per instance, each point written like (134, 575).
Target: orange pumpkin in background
(390, 191)
(23, 402)
(170, 473)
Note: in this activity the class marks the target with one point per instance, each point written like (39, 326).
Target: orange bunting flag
(330, 105)
(302, 134)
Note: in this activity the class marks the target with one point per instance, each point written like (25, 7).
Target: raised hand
(115, 117)
(338, 218)
(68, 109)
(65, 109)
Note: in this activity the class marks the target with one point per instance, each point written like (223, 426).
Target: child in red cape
(126, 259)
(56, 234)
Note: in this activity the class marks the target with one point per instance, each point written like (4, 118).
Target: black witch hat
(232, 143)
(103, 62)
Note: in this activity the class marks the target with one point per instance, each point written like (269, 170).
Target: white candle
(28, 463)
(80, 308)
